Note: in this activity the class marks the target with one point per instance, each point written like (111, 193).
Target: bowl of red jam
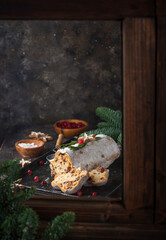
(70, 127)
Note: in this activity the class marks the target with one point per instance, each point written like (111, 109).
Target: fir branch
(28, 223)
(68, 144)
(8, 226)
(119, 139)
(16, 220)
(114, 133)
(24, 195)
(11, 169)
(104, 124)
(109, 115)
(59, 226)
(74, 148)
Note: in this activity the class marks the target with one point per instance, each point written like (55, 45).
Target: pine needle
(109, 115)
(59, 226)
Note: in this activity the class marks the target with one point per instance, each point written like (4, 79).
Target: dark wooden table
(8, 151)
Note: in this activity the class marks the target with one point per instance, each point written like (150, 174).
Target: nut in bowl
(29, 147)
(70, 127)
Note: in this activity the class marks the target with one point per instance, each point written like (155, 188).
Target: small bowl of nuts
(29, 147)
(70, 127)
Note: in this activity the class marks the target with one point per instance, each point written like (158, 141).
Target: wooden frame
(160, 122)
(144, 118)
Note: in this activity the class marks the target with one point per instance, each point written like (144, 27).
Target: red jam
(70, 125)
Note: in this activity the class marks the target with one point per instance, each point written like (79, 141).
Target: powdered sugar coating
(27, 145)
(95, 153)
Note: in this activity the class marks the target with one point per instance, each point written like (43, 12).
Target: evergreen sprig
(112, 126)
(59, 226)
(74, 148)
(18, 221)
(10, 200)
(104, 124)
(68, 144)
(119, 139)
(28, 222)
(107, 131)
(111, 116)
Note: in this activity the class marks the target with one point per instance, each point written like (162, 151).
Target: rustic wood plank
(112, 231)
(139, 102)
(94, 210)
(95, 231)
(161, 8)
(161, 123)
(75, 9)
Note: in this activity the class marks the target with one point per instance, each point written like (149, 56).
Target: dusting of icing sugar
(27, 145)
(100, 135)
(69, 151)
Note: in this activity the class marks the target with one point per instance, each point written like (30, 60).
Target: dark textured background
(52, 70)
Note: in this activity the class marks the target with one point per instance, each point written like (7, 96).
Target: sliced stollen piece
(60, 164)
(101, 152)
(97, 177)
(70, 182)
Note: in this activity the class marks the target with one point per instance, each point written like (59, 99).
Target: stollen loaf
(99, 150)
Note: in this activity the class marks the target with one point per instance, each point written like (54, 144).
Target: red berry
(80, 141)
(44, 183)
(74, 125)
(36, 179)
(41, 162)
(29, 172)
(94, 194)
(68, 125)
(65, 124)
(80, 125)
(79, 193)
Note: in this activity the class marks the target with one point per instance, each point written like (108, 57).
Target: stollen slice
(97, 177)
(70, 182)
(60, 164)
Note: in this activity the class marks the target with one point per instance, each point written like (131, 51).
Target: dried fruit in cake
(70, 182)
(97, 177)
(60, 164)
